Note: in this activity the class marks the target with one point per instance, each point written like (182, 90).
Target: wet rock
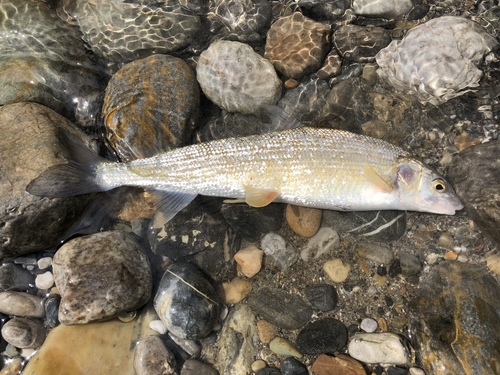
(236, 290)
(444, 53)
(475, 175)
(454, 319)
(276, 248)
(296, 45)
(288, 311)
(303, 220)
(337, 270)
(340, 364)
(237, 342)
(234, 86)
(101, 276)
(24, 333)
(322, 336)
(493, 263)
(31, 143)
(382, 9)
(151, 357)
(292, 366)
(374, 253)
(21, 304)
(195, 367)
(250, 222)
(120, 32)
(323, 297)
(54, 71)
(360, 43)
(386, 347)
(396, 371)
(332, 65)
(186, 302)
(14, 277)
(379, 226)
(150, 106)
(326, 240)
(410, 264)
(249, 260)
(51, 307)
(191, 347)
(13, 366)
(282, 346)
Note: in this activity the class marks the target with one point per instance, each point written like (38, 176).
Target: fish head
(421, 188)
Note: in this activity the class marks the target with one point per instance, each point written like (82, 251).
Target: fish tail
(78, 176)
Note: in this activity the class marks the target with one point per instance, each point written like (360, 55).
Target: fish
(305, 166)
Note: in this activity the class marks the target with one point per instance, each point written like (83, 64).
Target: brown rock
(303, 220)
(236, 290)
(249, 260)
(267, 331)
(338, 365)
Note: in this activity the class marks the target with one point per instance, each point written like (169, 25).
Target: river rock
(51, 307)
(292, 366)
(24, 333)
(385, 348)
(323, 297)
(101, 276)
(21, 304)
(236, 290)
(151, 357)
(341, 364)
(382, 9)
(195, 367)
(233, 85)
(282, 254)
(454, 320)
(249, 260)
(186, 301)
(304, 221)
(324, 241)
(32, 142)
(475, 174)
(374, 253)
(326, 335)
(150, 106)
(410, 264)
(337, 270)
(15, 277)
(360, 43)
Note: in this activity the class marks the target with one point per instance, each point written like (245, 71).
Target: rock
(385, 348)
(395, 268)
(475, 176)
(285, 310)
(292, 366)
(237, 342)
(195, 367)
(332, 66)
(282, 346)
(14, 277)
(326, 335)
(341, 364)
(276, 248)
(257, 365)
(323, 297)
(445, 52)
(191, 347)
(382, 9)
(453, 320)
(101, 276)
(249, 260)
(410, 264)
(360, 43)
(21, 304)
(303, 220)
(236, 290)
(44, 263)
(396, 371)
(368, 325)
(119, 32)
(336, 270)
(266, 331)
(375, 253)
(416, 371)
(269, 371)
(30, 144)
(296, 45)
(44, 280)
(326, 240)
(233, 86)
(13, 366)
(151, 357)
(493, 263)
(51, 307)
(186, 301)
(24, 333)
(250, 222)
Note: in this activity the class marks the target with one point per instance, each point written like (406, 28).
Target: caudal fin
(75, 178)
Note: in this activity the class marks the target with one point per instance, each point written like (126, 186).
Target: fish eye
(439, 185)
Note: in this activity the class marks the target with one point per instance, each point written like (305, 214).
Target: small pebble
(51, 307)
(341, 364)
(493, 263)
(450, 255)
(375, 253)
(277, 249)
(326, 240)
(195, 367)
(266, 330)
(369, 325)
(282, 346)
(336, 270)
(269, 371)
(21, 304)
(395, 268)
(304, 221)
(445, 241)
(416, 371)
(382, 324)
(249, 260)
(189, 346)
(375, 348)
(410, 264)
(24, 333)
(44, 263)
(12, 366)
(292, 366)
(323, 297)
(258, 365)
(236, 290)
(45, 280)
(396, 371)
(158, 326)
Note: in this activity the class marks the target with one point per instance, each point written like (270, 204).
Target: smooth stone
(326, 335)
(14, 277)
(269, 371)
(24, 333)
(323, 297)
(475, 176)
(303, 220)
(44, 263)
(284, 310)
(151, 357)
(186, 301)
(341, 364)
(382, 9)
(195, 367)
(337, 270)
(44, 280)
(395, 268)
(276, 248)
(375, 253)
(454, 320)
(396, 371)
(243, 88)
(410, 264)
(237, 342)
(282, 346)
(51, 307)
(236, 290)
(292, 366)
(383, 348)
(257, 365)
(32, 135)
(368, 325)
(416, 371)
(192, 347)
(101, 276)
(249, 260)
(158, 326)
(493, 263)
(360, 43)
(266, 330)
(21, 304)
(324, 241)
(250, 222)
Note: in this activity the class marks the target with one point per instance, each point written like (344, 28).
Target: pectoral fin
(377, 180)
(260, 197)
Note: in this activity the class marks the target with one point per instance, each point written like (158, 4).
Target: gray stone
(276, 248)
(326, 335)
(101, 276)
(326, 240)
(151, 357)
(24, 333)
(14, 277)
(475, 174)
(455, 319)
(383, 348)
(21, 304)
(323, 297)
(410, 264)
(375, 253)
(30, 143)
(360, 43)
(195, 367)
(382, 9)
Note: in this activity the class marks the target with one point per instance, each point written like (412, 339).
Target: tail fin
(75, 178)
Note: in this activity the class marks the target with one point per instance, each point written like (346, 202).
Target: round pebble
(282, 346)
(152, 357)
(326, 335)
(375, 253)
(450, 255)
(249, 260)
(369, 325)
(44, 263)
(303, 220)
(236, 290)
(323, 297)
(21, 304)
(258, 365)
(276, 248)
(158, 326)
(336, 270)
(378, 348)
(382, 9)
(24, 333)
(292, 366)
(45, 280)
(340, 364)
(195, 367)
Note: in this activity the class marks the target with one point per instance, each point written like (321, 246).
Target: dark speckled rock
(151, 105)
(360, 43)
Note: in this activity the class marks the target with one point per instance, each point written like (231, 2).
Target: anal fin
(260, 197)
(377, 180)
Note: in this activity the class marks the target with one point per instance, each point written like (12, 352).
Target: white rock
(336, 270)
(382, 8)
(45, 280)
(21, 304)
(384, 348)
(369, 325)
(44, 263)
(326, 240)
(416, 371)
(275, 247)
(158, 326)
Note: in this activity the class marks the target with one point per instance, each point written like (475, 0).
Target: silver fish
(322, 168)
